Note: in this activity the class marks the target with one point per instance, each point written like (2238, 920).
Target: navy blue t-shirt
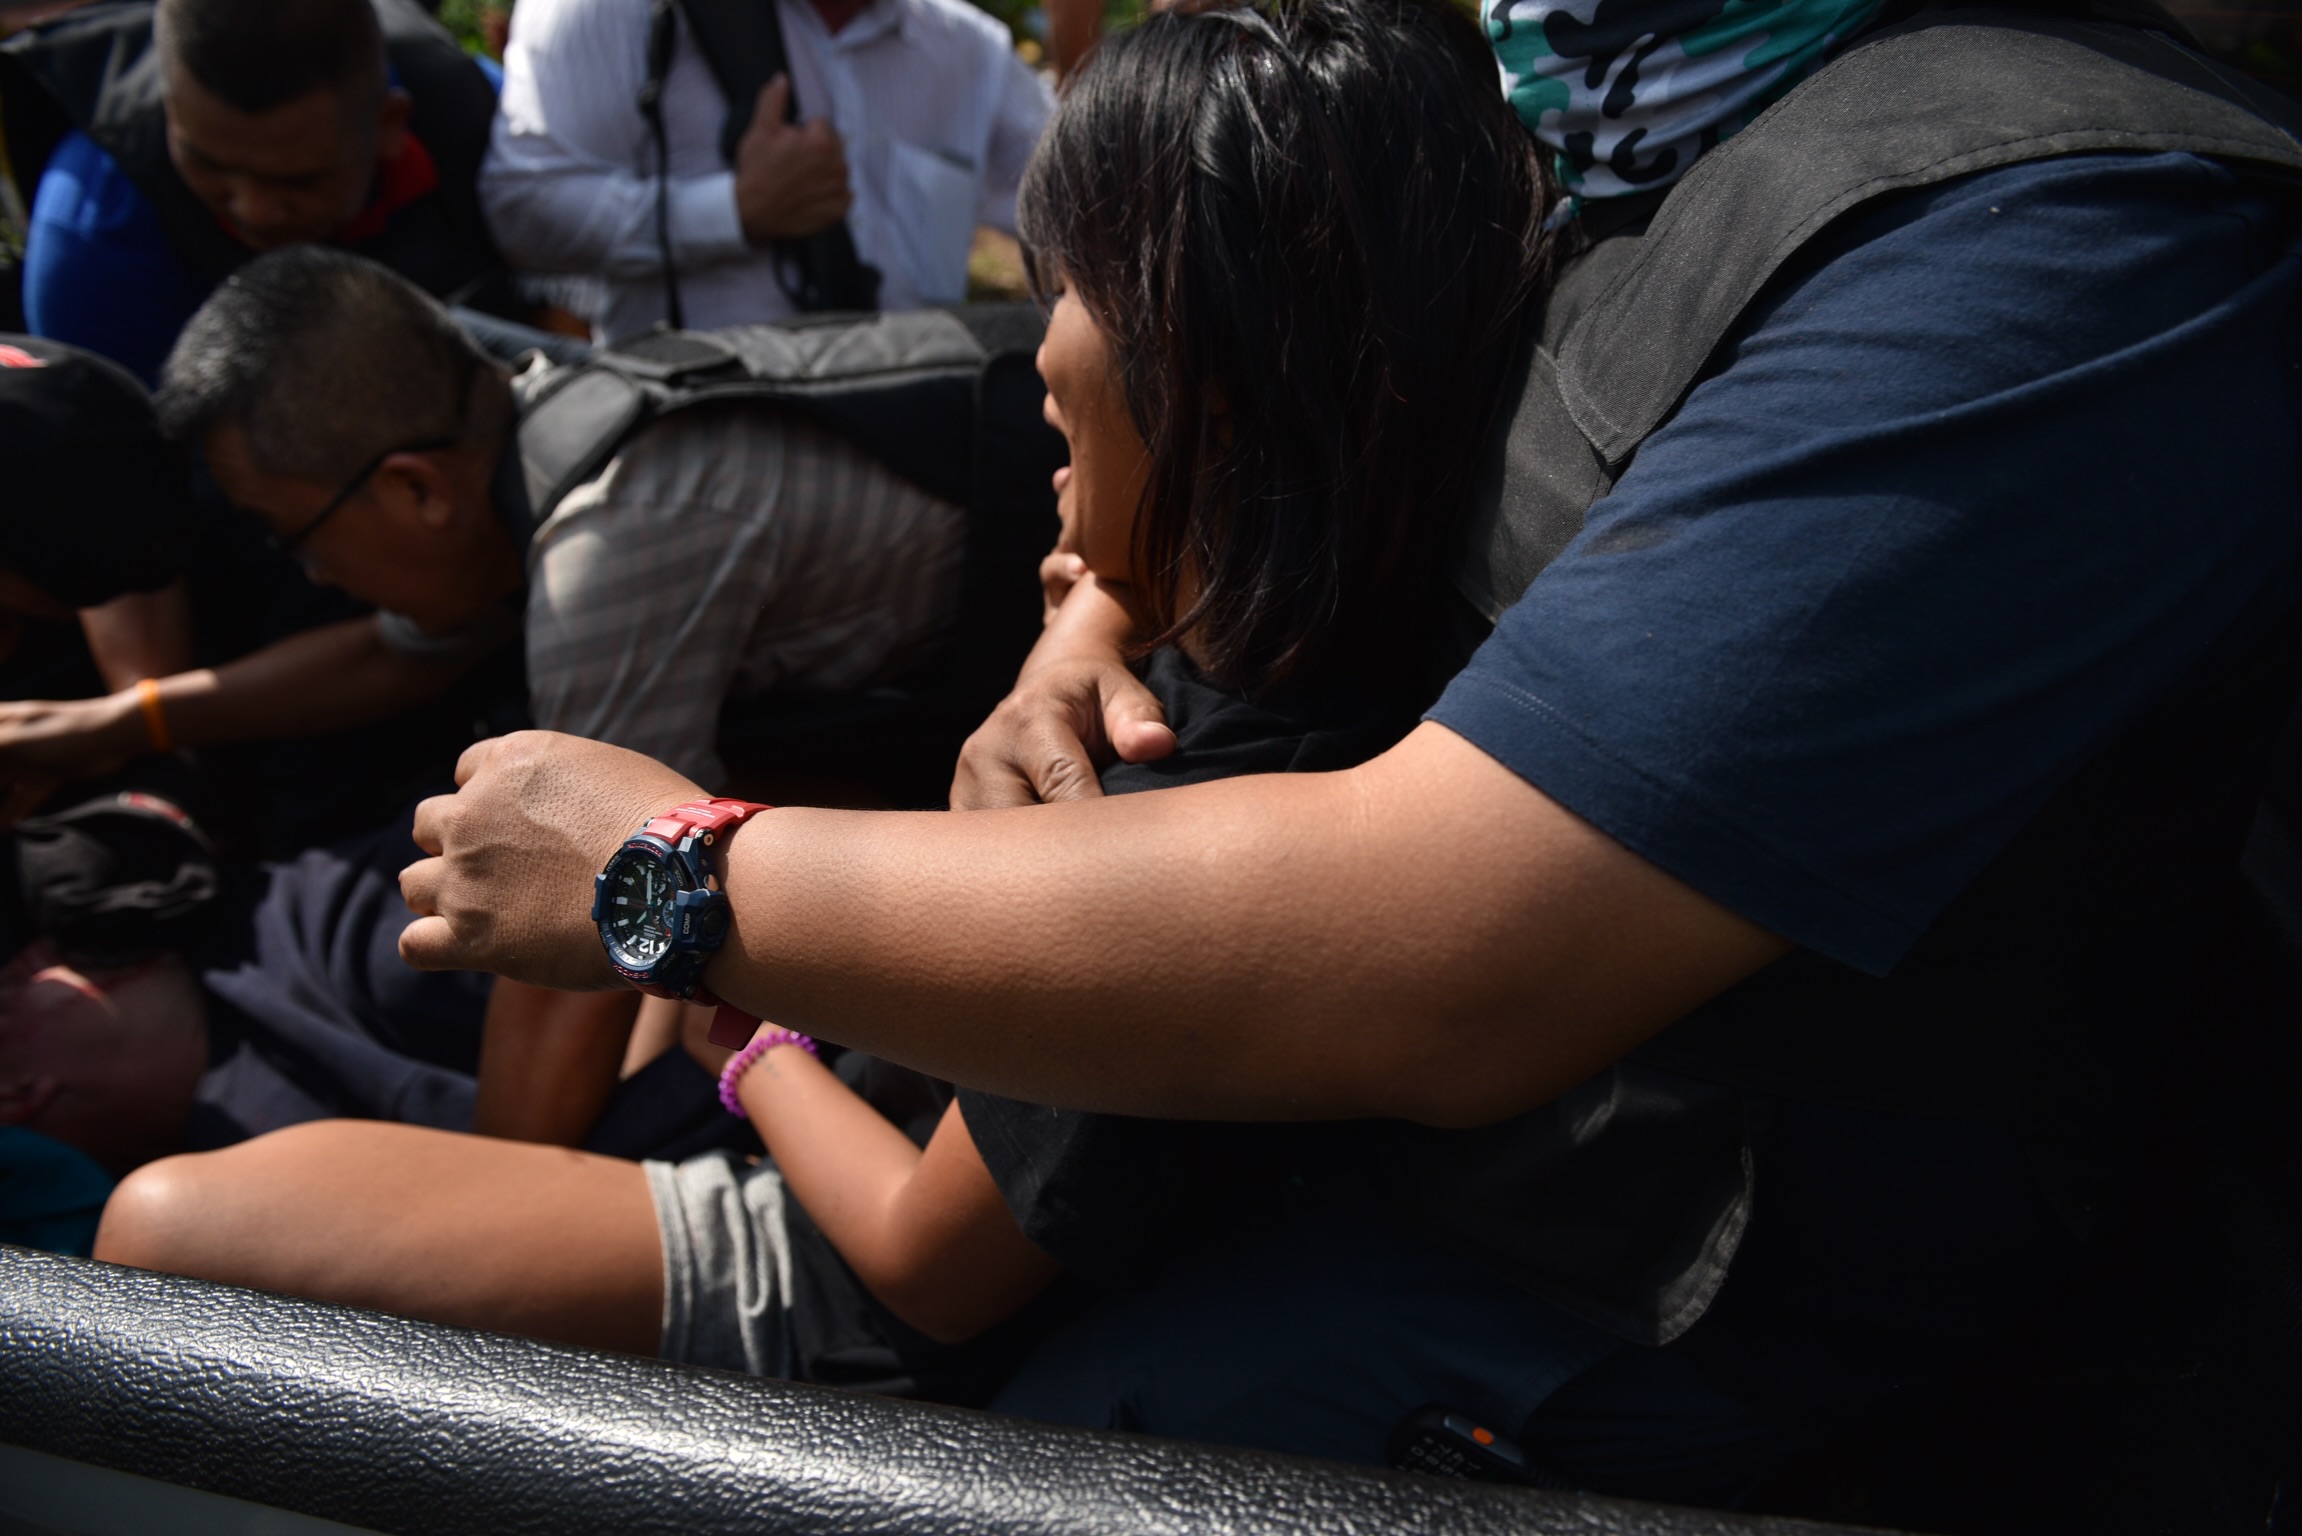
(1998, 465)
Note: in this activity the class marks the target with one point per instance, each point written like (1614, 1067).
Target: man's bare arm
(321, 680)
(140, 634)
(1427, 936)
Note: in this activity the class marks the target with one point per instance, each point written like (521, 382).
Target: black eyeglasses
(288, 544)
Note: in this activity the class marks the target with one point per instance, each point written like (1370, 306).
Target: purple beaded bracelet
(731, 1075)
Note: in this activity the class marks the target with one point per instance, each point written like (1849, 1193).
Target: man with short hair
(726, 548)
(191, 135)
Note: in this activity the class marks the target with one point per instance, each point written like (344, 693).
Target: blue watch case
(659, 918)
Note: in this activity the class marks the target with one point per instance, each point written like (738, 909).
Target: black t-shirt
(1102, 1193)
(311, 1012)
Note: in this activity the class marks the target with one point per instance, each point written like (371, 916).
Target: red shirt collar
(404, 178)
(400, 181)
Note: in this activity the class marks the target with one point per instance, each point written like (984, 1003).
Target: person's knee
(151, 1221)
(211, 1214)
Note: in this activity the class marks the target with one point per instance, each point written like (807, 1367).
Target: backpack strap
(742, 41)
(572, 427)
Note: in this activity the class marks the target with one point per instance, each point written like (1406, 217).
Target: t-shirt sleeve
(98, 272)
(1992, 470)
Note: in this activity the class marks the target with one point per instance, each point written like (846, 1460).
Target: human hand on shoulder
(1075, 706)
(790, 178)
(508, 886)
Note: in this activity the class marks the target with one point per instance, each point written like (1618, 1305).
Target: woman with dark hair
(1291, 253)
(1308, 250)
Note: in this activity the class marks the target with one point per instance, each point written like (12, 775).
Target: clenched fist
(509, 885)
(790, 178)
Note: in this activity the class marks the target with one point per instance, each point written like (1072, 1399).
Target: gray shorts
(726, 1264)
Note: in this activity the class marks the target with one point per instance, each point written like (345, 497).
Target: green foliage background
(1023, 18)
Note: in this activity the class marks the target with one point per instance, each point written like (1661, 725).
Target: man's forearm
(321, 680)
(1425, 937)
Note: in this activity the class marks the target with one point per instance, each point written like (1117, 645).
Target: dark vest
(94, 69)
(1636, 316)
(2041, 996)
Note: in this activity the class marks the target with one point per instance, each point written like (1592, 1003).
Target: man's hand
(508, 888)
(790, 181)
(1075, 705)
(44, 743)
(1047, 738)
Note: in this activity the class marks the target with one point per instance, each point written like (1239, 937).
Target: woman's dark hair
(1312, 230)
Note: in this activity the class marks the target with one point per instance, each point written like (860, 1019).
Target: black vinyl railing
(402, 1427)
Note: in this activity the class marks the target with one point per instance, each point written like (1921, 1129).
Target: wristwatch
(659, 906)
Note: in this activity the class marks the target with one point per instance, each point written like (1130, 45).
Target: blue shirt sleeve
(1995, 468)
(98, 270)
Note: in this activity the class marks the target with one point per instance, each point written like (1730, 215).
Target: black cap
(93, 500)
(111, 881)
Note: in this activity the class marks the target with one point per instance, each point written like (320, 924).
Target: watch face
(639, 893)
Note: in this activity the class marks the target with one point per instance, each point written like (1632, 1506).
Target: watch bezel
(695, 924)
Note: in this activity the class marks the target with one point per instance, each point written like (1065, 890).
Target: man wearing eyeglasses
(722, 549)
(726, 549)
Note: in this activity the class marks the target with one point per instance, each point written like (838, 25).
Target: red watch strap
(713, 816)
(732, 1027)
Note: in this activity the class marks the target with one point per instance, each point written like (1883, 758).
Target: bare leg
(504, 1235)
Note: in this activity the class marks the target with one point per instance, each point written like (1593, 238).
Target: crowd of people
(1647, 671)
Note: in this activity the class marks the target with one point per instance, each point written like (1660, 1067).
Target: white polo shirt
(936, 112)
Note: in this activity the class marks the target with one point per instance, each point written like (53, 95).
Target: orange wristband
(155, 716)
